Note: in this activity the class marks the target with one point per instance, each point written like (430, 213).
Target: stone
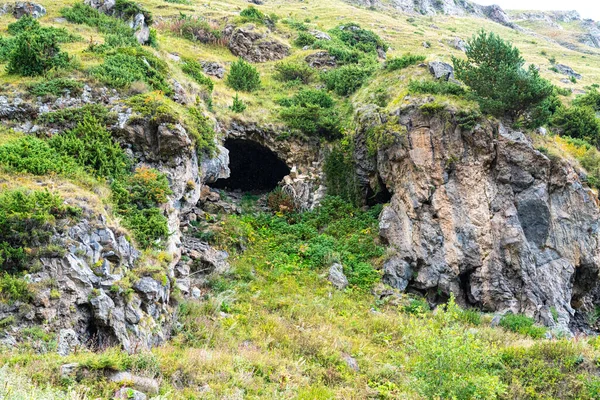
(68, 341)
(566, 70)
(68, 370)
(350, 362)
(141, 29)
(336, 276)
(213, 68)
(320, 35)
(426, 45)
(148, 386)
(196, 293)
(102, 306)
(22, 8)
(441, 70)
(495, 321)
(104, 6)
(321, 60)
(129, 394)
(457, 43)
(254, 46)
(216, 167)
(150, 289)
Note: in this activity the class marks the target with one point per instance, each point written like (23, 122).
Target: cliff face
(480, 213)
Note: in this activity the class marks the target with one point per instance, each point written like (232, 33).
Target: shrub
(436, 87)
(405, 61)
(35, 52)
(494, 71)
(243, 76)
(346, 79)
(127, 65)
(340, 175)
(195, 29)
(287, 72)
(238, 105)
(279, 201)
(127, 9)
(94, 148)
(591, 99)
(69, 117)
(523, 325)
(195, 70)
(56, 87)
(27, 24)
(137, 198)
(13, 288)
(26, 218)
(304, 39)
(356, 37)
(312, 112)
(578, 122)
(253, 14)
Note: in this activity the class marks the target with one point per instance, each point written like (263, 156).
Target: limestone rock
(216, 167)
(321, 60)
(320, 35)
(67, 342)
(148, 386)
(441, 70)
(457, 43)
(213, 68)
(254, 46)
(336, 276)
(104, 6)
(20, 8)
(566, 70)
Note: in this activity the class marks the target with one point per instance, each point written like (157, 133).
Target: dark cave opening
(380, 195)
(254, 167)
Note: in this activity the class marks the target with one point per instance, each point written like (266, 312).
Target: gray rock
(21, 8)
(196, 294)
(104, 6)
(566, 70)
(68, 341)
(457, 43)
(496, 321)
(320, 35)
(396, 272)
(68, 370)
(150, 289)
(213, 68)
(336, 276)
(441, 70)
(253, 46)
(141, 29)
(426, 45)
(321, 60)
(129, 394)
(146, 385)
(350, 362)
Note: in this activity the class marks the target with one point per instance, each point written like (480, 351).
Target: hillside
(298, 199)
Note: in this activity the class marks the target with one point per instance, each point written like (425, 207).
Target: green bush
(6, 47)
(69, 117)
(117, 32)
(137, 198)
(195, 70)
(436, 87)
(494, 71)
(26, 218)
(94, 148)
(346, 79)
(591, 100)
(243, 76)
(405, 61)
(238, 105)
(578, 122)
(312, 112)
(304, 39)
(13, 288)
(287, 72)
(56, 87)
(523, 325)
(35, 52)
(127, 9)
(27, 24)
(127, 65)
(358, 38)
(253, 14)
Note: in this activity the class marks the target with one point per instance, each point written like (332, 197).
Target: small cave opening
(379, 195)
(254, 167)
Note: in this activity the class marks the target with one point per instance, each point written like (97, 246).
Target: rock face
(21, 8)
(483, 215)
(566, 70)
(441, 70)
(321, 60)
(254, 46)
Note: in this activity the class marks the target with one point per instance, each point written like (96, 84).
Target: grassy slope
(278, 330)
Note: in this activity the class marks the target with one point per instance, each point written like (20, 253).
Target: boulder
(336, 276)
(141, 28)
(129, 394)
(213, 68)
(104, 6)
(216, 167)
(457, 43)
(254, 46)
(22, 8)
(320, 35)
(148, 386)
(441, 70)
(68, 341)
(566, 70)
(321, 60)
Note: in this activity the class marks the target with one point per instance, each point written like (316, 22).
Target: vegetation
(405, 61)
(313, 113)
(523, 325)
(495, 73)
(196, 29)
(436, 87)
(238, 105)
(243, 76)
(26, 220)
(196, 72)
(56, 87)
(578, 122)
(346, 79)
(293, 72)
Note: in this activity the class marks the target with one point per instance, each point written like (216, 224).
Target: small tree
(35, 52)
(243, 76)
(578, 122)
(494, 70)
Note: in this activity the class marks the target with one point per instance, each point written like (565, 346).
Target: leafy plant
(304, 39)
(35, 52)
(522, 324)
(405, 61)
(346, 79)
(238, 105)
(313, 113)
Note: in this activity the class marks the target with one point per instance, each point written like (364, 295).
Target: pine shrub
(243, 76)
(405, 61)
(288, 72)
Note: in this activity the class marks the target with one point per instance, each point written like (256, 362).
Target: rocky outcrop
(566, 70)
(483, 215)
(81, 293)
(254, 46)
(138, 22)
(20, 8)
(321, 60)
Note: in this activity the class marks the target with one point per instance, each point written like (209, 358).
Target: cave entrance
(254, 167)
